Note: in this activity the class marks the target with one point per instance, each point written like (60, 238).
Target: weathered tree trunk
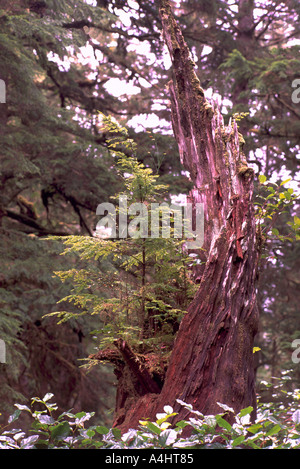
(4, 174)
(212, 359)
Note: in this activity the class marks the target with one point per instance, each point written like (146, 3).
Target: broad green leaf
(254, 428)
(287, 195)
(262, 178)
(102, 430)
(60, 431)
(223, 423)
(252, 444)
(238, 440)
(274, 430)
(182, 424)
(117, 433)
(153, 428)
(245, 411)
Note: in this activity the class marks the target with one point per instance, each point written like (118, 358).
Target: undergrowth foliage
(276, 427)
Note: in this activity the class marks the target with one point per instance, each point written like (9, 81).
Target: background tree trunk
(212, 359)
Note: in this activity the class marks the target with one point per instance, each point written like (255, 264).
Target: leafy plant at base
(272, 429)
(49, 432)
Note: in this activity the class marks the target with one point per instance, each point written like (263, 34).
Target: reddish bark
(135, 376)
(212, 359)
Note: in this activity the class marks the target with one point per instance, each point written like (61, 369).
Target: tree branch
(137, 367)
(33, 224)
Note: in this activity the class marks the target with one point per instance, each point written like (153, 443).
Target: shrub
(274, 428)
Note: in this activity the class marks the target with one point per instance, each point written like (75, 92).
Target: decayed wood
(134, 378)
(212, 359)
(137, 368)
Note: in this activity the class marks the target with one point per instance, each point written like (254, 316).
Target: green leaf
(166, 417)
(14, 416)
(247, 410)
(274, 430)
(285, 182)
(262, 178)
(223, 423)
(252, 444)
(60, 431)
(238, 440)
(117, 433)
(102, 430)
(153, 428)
(182, 424)
(297, 220)
(254, 428)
